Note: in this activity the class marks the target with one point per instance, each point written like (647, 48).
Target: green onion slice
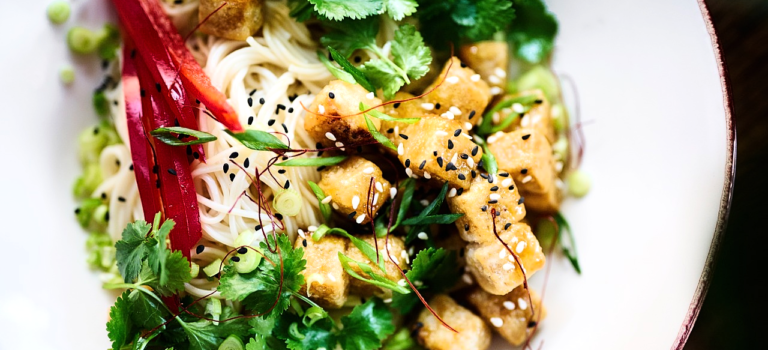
(168, 136)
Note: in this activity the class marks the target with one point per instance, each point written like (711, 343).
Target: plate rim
(725, 200)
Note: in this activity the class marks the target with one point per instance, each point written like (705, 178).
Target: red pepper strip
(158, 59)
(146, 19)
(176, 186)
(141, 151)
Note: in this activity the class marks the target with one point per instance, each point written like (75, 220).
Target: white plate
(659, 148)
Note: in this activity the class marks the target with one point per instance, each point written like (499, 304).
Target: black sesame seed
(484, 208)
(250, 120)
(321, 168)
(463, 65)
(285, 127)
(258, 227)
(521, 200)
(457, 132)
(466, 227)
(404, 136)
(423, 163)
(351, 215)
(437, 105)
(512, 187)
(189, 150)
(490, 179)
(285, 157)
(493, 201)
(318, 145)
(471, 115)
(304, 243)
(196, 155)
(226, 167)
(450, 144)
(157, 86)
(252, 92)
(250, 101)
(390, 130)
(234, 155)
(280, 106)
(115, 102)
(290, 110)
(246, 163)
(262, 100)
(271, 122)
(142, 92)
(133, 53)
(197, 101)
(232, 177)
(331, 95)
(287, 184)
(507, 226)
(459, 191)
(77, 211)
(525, 137)
(157, 183)
(434, 153)
(279, 216)
(293, 97)
(358, 59)
(407, 163)
(474, 174)
(440, 161)
(524, 171)
(474, 151)
(495, 188)
(464, 156)
(121, 199)
(504, 174)
(397, 104)
(172, 172)
(450, 166)
(281, 171)
(480, 163)
(242, 250)
(462, 177)
(130, 167)
(106, 216)
(538, 101)
(235, 259)
(200, 249)
(484, 176)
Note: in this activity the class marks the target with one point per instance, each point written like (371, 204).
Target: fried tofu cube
(511, 315)
(340, 98)
(538, 117)
(410, 109)
(472, 333)
(489, 58)
(527, 156)
(543, 203)
(440, 148)
(325, 281)
(495, 269)
(348, 183)
(238, 20)
(477, 203)
(396, 252)
(462, 89)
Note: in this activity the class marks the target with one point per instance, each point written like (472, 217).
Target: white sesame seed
(355, 202)
(428, 106)
(475, 77)
(376, 198)
(468, 125)
(520, 247)
(409, 172)
(441, 133)
(502, 254)
(471, 162)
(360, 218)
(527, 179)
(455, 158)
(452, 80)
(467, 136)
(454, 110)
(518, 108)
(452, 193)
(494, 196)
(333, 279)
(500, 72)
(494, 79)
(404, 256)
(335, 206)
(330, 136)
(525, 122)
(559, 166)
(400, 150)
(402, 282)
(509, 305)
(387, 300)
(497, 322)
(480, 120)
(397, 129)
(506, 182)
(418, 283)
(321, 109)
(473, 49)
(508, 266)
(339, 144)
(422, 236)
(392, 192)
(447, 115)
(312, 228)
(301, 233)
(410, 251)
(368, 170)
(370, 95)
(424, 202)
(327, 200)
(427, 176)
(467, 278)
(522, 303)
(379, 187)
(496, 117)
(559, 183)
(495, 90)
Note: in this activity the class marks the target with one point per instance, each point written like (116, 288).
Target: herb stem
(386, 59)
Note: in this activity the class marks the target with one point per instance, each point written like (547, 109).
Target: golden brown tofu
(495, 269)
(527, 156)
(238, 20)
(472, 334)
(510, 315)
(410, 109)
(477, 203)
(325, 281)
(490, 59)
(463, 96)
(539, 117)
(340, 98)
(348, 182)
(543, 203)
(396, 249)
(446, 157)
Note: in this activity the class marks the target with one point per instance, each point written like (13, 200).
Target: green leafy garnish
(341, 9)
(119, 325)
(567, 242)
(366, 248)
(314, 162)
(259, 289)
(430, 210)
(399, 9)
(410, 53)
(366, 326)
(533, 31)
(489, 161)
(335, 71)
(436, 269)
(139, 244)
(486, 127)
(375, 278)
(348, 36)
(383, 140)
(356, 74)
(441, 219)
(170, 136)
(383, 116)
(258, 140)
(473, 20)
(325, 209)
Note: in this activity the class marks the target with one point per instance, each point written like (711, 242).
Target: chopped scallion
(287, 202)
(58, 11)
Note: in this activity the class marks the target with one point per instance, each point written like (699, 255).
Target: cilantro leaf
(410, 53)
(157, 258)
(204, 334)
(366, 326)
(491, 16)
(299, 336)
(177, 271)
(302, 10)
(119, 326)
(145, 312)
(259, 289)
(533, 32)
(131, 250)
(348, 36)
(473, 20)
(340, 9)
(398, 9)
(383, 75)
(436, 269)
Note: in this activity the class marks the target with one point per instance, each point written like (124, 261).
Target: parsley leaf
(533, 32)
(398, 9)
(410, 53)
(340, 9)
(437, 269)
(259, 289)
(366, 326)
(119, 325)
